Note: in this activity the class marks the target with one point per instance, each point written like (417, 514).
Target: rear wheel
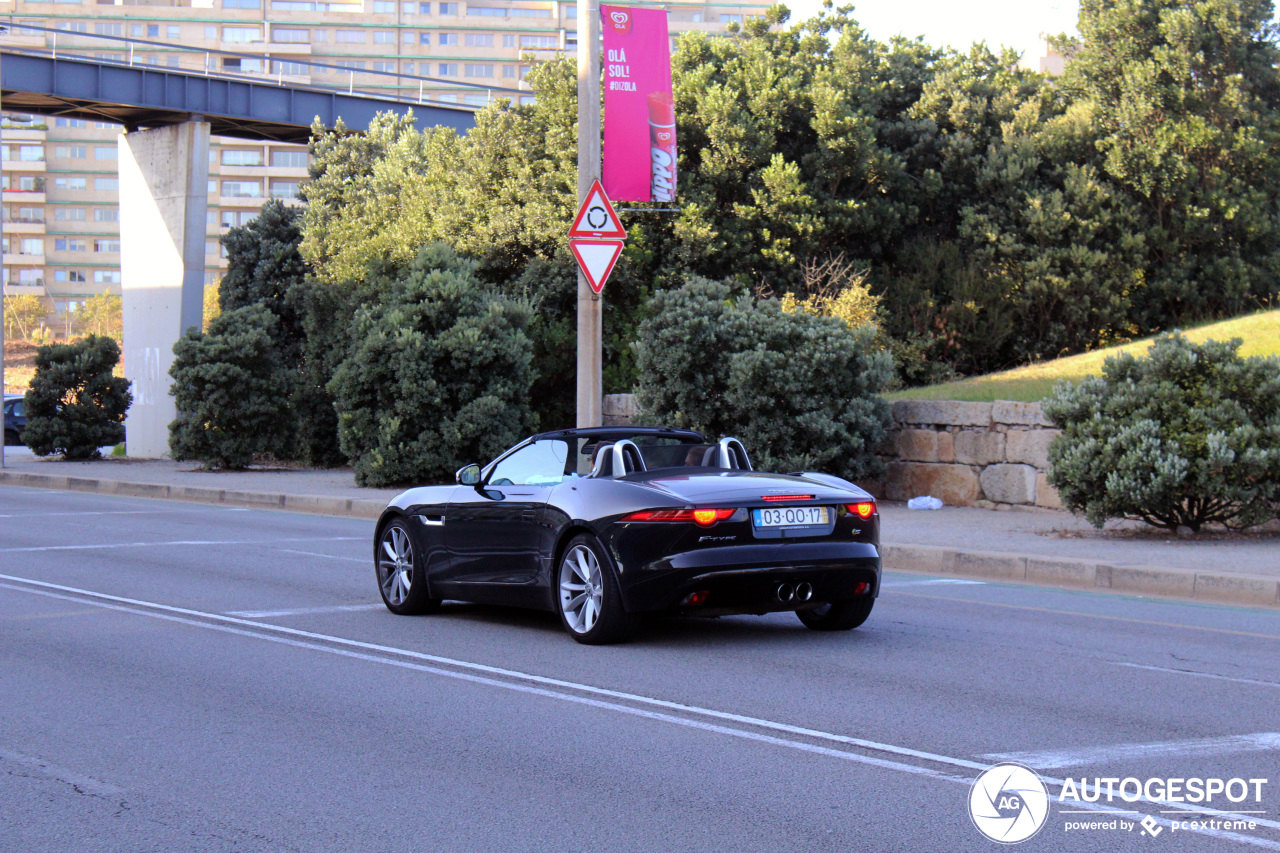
(401, 573)
(837, 615)
(587, 595)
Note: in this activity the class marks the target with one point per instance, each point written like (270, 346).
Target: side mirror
(469, 475)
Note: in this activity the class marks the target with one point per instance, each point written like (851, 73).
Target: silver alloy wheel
(395, 565)
(581, 589)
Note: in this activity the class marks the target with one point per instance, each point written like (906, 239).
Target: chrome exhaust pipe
(785, 592)
(804, 591)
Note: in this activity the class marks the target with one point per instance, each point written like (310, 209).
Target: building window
(238, 218)
(106, 276)
(241, 189)
(447, 40)
(407, 68)
(503, 12)
(284, 189)
(72, 26)
(210, 247)
(106, 185)
(319, 36)
(479, 40)
(448, 99)
(237, 63)
(424, 8)
(448, 8)
(29, 276)
(106, 245)
(76, 276)
(478, 70)
(389, 67)
(241, 35)
(731, 19)
(424, 38)
(70, 183)
(71, 152)
(508, 40)
(210, 33)
(295, 69)
(211, 187)
(108, 29)
(63, 244)
(30, 215)
(406, 38)
(63, 121)
(69, 214)
(349, 64)
(349, 37)
(240, 157)
(538, 41)
(242, 4)
(384, 37)
(509, 71)
(384, 7)
(282, 35)
(106, 214)
(476, 100)
(31, 246)
(291, 159)
(447, 69)
(408, 8)
(210, 218)
(30, 153)
(103, 152)
(172, 31)
(571, 11)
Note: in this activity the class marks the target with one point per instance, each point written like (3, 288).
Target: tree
(801, 391)
(103, 314)
(23, 314)
(439, 375)
(230, 390)
(75, 404)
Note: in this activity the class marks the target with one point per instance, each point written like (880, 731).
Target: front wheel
(837, 615)
(587, 595)
(401, 572)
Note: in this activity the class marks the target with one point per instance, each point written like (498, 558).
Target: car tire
(587, 596)
(402, 577)
(837, 615)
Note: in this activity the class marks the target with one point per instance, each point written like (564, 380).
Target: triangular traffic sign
(596, 258)
(597, 218)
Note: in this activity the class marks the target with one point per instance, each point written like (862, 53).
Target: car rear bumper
(746, 579)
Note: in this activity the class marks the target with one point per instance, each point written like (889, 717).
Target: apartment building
(61, 230)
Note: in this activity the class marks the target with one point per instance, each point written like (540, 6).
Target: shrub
(438, 377)
(1187, 436)
(75, 405)
(230, 390)
(799, 390)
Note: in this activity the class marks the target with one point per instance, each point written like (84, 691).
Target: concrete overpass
(163, 163)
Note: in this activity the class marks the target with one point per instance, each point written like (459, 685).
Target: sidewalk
(1044, 548)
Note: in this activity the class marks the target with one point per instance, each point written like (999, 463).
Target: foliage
(102, 314)
(75, 405)
(837, 290)
(439, 375)
(230, 391)
(801, 391)
(265, 267)
(210, 307)
(1188, 436)
(22, 314)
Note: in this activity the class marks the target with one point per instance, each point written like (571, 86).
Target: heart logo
(620, 20)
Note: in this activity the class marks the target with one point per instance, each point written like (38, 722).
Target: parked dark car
(603, 525)
(15, 419)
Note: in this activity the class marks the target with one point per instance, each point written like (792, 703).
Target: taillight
(786, 497)
(702, 517)
(862, 509)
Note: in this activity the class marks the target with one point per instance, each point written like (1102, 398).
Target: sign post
(590, 386)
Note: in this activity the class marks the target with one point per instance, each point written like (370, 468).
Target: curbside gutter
(1125, 578)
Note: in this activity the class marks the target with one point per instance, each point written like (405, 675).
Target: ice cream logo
(620, 21)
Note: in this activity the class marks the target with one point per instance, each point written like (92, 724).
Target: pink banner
(639, 112)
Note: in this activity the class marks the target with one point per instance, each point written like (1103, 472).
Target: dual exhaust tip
(802, 591)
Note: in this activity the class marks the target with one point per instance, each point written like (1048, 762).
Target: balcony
(18, 227)
(25, 289)
(275, 48)
(18, 259)
(24, 165)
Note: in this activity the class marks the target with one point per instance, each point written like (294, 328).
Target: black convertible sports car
(602, 525)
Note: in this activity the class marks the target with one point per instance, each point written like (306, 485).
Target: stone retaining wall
(967, 454)
(970, 454)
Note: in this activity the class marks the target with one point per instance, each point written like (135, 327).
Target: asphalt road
(177, 677)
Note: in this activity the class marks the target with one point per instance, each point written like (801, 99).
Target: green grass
(1260, 332)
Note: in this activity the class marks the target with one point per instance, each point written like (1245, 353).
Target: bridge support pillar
(164, 174)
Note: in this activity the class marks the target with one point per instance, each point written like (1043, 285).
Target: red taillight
(702, 517)
(862, 509)
(786, 497)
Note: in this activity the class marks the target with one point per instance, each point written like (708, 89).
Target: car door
(495, 531)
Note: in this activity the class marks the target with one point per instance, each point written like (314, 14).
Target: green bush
(439, 375)
(799, 390)
(230, 390)
(1187, 436)
(75, 405)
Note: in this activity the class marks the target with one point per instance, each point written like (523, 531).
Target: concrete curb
(1125, 578)
(315, 504)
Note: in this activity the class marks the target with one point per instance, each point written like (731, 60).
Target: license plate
(790, 516)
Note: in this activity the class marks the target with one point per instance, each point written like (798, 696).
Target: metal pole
(590, 390)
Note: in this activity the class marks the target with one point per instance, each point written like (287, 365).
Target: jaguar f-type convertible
(606, 524)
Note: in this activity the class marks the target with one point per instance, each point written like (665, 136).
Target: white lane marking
(179, 542)
(82, 783)
(112, 512)
(1193, 672)
(940, 581)
(257, 630)
(298, 611)
(1053, 759)
(328, 556)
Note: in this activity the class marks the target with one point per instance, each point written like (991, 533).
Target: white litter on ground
(926, 502)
